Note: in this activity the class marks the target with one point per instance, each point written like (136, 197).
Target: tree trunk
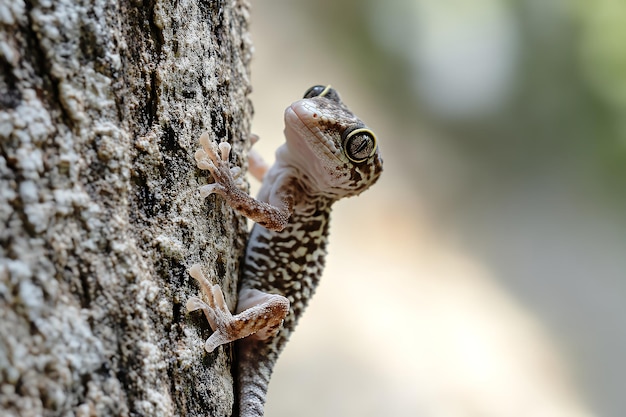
(101, 105)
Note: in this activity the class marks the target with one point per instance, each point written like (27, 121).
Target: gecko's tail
(255, 360)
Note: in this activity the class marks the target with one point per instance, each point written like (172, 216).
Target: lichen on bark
(101, 104)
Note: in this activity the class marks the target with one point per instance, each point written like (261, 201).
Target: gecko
(328, 154)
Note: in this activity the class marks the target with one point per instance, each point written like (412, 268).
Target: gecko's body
(329, 154)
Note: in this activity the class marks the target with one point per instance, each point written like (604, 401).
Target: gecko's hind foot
(262, 315)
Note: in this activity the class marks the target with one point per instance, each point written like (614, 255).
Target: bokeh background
(485, 274)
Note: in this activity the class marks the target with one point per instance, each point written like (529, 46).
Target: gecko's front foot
(214, 158)
(261, 316)
(228, 182)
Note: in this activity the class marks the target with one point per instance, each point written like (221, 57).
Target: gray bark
(101, 105)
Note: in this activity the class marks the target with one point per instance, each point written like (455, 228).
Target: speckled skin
(328, 155)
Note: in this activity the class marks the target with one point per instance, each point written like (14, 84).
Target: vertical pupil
(359, 146)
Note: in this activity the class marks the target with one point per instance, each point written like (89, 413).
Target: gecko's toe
(194, 303)
(207, 190)
(235, 172)
(202, 160)
(215, 340)
(209, 147)
(196, 272)
(225, 150)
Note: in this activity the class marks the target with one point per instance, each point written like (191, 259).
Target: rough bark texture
(101, 105)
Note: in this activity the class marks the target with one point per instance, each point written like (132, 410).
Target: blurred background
(485, 273)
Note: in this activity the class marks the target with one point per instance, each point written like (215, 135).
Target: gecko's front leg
(259, 315)
(256, 164)
(228, 184)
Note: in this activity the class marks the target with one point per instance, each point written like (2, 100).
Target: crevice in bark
(156, 35)
(10, 95)
(85, 277)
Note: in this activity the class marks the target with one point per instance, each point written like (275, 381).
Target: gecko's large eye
(314, 91)
(359, 144)
(322, 91)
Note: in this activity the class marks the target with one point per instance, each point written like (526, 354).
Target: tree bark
(101, 105)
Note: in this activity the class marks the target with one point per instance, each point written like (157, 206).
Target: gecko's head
(333, 149)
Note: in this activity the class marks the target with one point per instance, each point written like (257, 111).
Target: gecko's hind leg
(261, 316)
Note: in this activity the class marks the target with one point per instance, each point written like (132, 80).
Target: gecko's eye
(322, 91)
(314, 91)
(359, 144)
